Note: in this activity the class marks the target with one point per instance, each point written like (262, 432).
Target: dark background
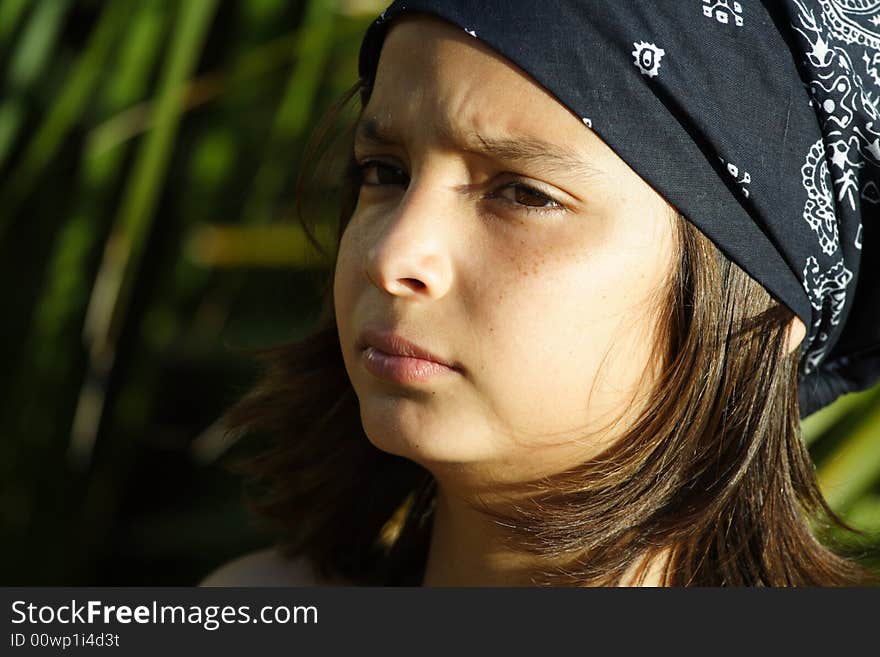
(148, 155)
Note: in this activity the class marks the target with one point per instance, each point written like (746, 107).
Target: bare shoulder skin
(265, 568)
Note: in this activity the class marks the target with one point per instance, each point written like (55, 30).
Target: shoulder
(265, 567)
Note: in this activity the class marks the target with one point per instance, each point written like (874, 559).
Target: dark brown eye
(527, 197)
(531, 197)
(373, 172)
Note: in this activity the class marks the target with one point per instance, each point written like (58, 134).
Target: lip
(389, 355)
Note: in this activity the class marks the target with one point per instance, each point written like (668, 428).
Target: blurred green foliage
(148, 150)
(148, 153)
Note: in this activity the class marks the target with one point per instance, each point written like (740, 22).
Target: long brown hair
(713, 467)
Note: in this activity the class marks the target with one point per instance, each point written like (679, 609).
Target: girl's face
(497, 232)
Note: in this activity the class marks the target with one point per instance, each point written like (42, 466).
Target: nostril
(413, 283)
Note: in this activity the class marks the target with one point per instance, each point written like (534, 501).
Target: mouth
(391, 356)
(402, 369)
(394, 344)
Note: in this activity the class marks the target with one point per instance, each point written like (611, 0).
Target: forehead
(434, 80)
(428, 66)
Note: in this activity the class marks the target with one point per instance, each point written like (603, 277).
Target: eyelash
(358, 169)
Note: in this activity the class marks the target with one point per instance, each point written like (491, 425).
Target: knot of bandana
(758, 121)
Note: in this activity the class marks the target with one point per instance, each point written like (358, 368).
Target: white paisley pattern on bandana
(723, 11)
(647, 57)
(743, 178)
(845, 94)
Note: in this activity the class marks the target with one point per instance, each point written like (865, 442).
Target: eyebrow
(523, 150)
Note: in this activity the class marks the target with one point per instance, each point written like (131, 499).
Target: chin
(421, 439)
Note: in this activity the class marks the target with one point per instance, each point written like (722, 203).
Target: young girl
(548, 358)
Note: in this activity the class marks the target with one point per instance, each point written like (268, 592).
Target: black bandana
(758, 121)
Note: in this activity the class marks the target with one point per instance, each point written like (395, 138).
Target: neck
(467, 549)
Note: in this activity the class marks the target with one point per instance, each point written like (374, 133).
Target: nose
(410, 255)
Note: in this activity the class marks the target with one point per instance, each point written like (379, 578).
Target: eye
(373, 173)
(522, 197)
(527, 198)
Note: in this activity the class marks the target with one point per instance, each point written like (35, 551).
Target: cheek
(345, 281)
(348, 255)
(568, 337)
